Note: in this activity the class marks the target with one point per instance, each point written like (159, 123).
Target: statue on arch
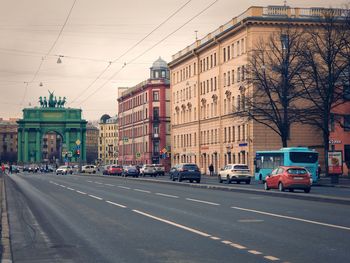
(51, 100)
(41, 101)
(45, 102)
(59, 103)
(63, 102)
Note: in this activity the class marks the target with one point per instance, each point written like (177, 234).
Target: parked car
(185, 171)
(115, 170)
(148, 169)
(64, 169)
(160, 170)
(105, 169)
(289, 177)
(130, 171)
(15, 169)
(33, 169)
(90, 169)
(235, 172)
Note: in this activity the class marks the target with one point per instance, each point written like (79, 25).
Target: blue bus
(266, 161)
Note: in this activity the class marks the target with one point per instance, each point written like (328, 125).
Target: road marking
(110, 184)
(173, 196)
(200, 201)
(96, 197)
(89, 181)
(63, 186)
(237, 246)
(80, 192)
(173, 224)
(226, 242)
(291, 218)
(254, 252)
(143, 191)
(215, 238)
(124, 187)
(71, 189)
(98, 183)
(250, 221)
(271, 258)
(112, 203)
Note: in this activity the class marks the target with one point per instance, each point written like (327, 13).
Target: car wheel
(238, 181)
(247, 182)
(179, 179)
(173, 179)
(266, 187)
(219, 178)
(307, 190)
(198, 181)
(228, 179)
(191, 181)
(280, 187)
(291, 190)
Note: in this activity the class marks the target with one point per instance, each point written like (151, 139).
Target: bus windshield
(303, 157)
(269, 160)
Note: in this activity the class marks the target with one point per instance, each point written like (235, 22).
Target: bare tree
(273, 71)
(326, 70)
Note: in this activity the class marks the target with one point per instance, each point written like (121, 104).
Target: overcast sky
(90, 34)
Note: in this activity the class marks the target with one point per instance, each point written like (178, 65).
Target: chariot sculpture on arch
(52, 102)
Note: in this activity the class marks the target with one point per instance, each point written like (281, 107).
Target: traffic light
(78, 152)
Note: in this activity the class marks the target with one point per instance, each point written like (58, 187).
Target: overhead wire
(147, 50)
(52, 47)
(129, 49)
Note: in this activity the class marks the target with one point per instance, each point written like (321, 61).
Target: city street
(72, 218)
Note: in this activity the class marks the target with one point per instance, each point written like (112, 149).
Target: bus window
(303, 157)
(271, 160)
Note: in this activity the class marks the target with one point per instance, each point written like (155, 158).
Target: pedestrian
(10, 169)
(3, 169)
(211, 170)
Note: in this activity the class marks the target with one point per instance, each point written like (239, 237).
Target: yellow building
(108, 140)
(208, 86)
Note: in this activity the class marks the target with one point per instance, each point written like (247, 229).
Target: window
(346, 91)
(156, 95)
(238, 74)
(214, 59)
(303, 157)
(347, 123)
(331, 124)
(224, 79)
(228, 53)
(224, 53)
(233, 76)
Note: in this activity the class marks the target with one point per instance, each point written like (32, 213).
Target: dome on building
(104, 118)
(159, 64)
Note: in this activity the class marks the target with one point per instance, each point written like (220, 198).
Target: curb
(299, 196)
(5, 231)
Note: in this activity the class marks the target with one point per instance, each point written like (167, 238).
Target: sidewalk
(327, 181)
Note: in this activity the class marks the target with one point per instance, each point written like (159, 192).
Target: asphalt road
(111, 219)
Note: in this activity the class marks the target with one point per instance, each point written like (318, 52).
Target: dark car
(105, 169)
(130, 171)
(185, 171)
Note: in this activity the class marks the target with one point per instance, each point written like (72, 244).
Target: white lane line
(237, 246)
(96, 197)
(70, 189)
(200, 201)
(98, 183)
(173, 224)
(291, 218)
(215, 238)
(63, 186)
(172, 196)
(124, 187)
(226, 242)
(80, 192)
(143, 191)
(89, 181)
(110, 184)
(254, 252)
(271, 258)
(112, 203)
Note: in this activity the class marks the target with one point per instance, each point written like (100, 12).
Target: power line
(128, 50)
(132, 60)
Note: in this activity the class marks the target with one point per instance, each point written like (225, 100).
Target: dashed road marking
(96, 197)
(112, 203)
(63, 186)
(201, 201)
(98, 183)
(89, 181)
(291, 218)
(80, 192)
(173, 224)
(110, 184)
(70, 189)
(143, 191)
(215, 238)
(254, 252)
(124, 187)
(172, 196)
(271, 258)
(237, 246)
(226, 242)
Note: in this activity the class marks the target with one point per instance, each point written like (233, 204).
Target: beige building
(108, 140)
(92, 138)
(8, 140)
(208, 87)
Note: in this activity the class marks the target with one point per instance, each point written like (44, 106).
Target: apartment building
(144, 120)
(8, 140)
(92, 136)
(208, 87)
(108, 140)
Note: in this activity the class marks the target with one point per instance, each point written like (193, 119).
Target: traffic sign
(125, 139)
(69, 154)
(138, 155)
(77, 142)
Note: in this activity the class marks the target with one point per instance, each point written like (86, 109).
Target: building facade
(108, 140)
(208, 86)
(144, 120)
(92, 138)
(8, 140)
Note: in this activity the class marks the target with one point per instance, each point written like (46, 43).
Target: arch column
(37, 146)
(19, 146)
(25, 157)
(67, 139)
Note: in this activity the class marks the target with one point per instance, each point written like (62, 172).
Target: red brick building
(144, 119)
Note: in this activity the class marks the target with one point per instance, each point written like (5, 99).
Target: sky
(103, 45)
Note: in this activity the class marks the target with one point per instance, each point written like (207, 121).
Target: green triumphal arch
(51, 116)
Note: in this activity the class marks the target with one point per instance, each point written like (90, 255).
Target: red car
(289, 177)
(115, 170)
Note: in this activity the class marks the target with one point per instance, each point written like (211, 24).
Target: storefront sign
(335, 162)
(334, 141)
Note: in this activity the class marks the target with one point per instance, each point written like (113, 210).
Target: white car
(148, 169)
(90, 169)
(64, 169)
(235, 172)
(159, 169)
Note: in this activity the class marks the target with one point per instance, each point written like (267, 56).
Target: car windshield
(191, 167)
(241, 167)
(297, 171)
